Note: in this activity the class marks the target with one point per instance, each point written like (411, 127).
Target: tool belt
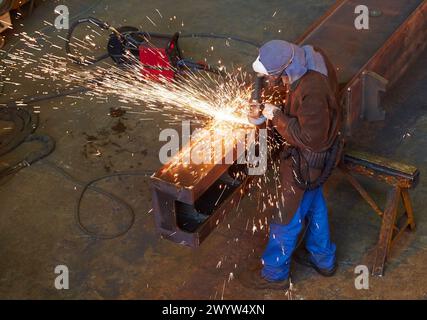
(325, 161)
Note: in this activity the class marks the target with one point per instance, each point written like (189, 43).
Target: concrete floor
(37, 226)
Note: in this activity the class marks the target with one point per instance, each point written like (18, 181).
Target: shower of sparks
(161, 16)
(194, 94)
(212, 101)
(152, 22)
(202, 95)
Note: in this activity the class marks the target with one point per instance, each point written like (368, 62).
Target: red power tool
(158, 54)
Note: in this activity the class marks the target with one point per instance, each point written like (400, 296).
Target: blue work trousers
(283, 238)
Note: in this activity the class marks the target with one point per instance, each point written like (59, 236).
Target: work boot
(303, 257)
(251, 278)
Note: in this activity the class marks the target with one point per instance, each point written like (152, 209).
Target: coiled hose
(331, 160)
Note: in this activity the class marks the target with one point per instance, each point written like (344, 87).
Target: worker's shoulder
(325, 57)
(312, 82)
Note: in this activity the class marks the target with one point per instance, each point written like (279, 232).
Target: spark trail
(202, 95)
(198, 94)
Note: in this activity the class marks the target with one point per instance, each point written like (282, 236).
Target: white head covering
(259, 67)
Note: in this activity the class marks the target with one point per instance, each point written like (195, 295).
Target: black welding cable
(210, 35)
(90, 186)
(24, 124)
(194, 35)
(17, 43)
(220, 36)
(71, 55)
(129, 37)
(48, 145)
(37, 98)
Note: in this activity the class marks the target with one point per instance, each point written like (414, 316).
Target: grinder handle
(256, 93)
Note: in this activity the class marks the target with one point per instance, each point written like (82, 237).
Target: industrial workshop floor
(37, 226)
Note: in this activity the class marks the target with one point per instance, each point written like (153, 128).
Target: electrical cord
(221, 36)
(134, 37)
(38, 98)
(89, 186)
(189, 35)
(17, 43)
(90, 20)
(34, 156)
(24, 124)
(48, 147)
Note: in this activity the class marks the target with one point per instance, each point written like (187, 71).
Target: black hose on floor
(48, 146)
(90, 186)
(24, 124)
(221, 36)
(37, 98)
(70, 53)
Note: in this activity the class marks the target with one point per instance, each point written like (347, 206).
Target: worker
(309, 123)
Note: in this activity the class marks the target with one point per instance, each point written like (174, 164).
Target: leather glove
(270, 110)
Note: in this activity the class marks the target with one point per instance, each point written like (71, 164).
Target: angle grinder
(256, 106)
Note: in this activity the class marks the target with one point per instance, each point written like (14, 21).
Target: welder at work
(309, 123)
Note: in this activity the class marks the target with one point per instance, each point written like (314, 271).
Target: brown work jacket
(311, 119)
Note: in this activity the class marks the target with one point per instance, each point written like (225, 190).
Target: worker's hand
(270, 110)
